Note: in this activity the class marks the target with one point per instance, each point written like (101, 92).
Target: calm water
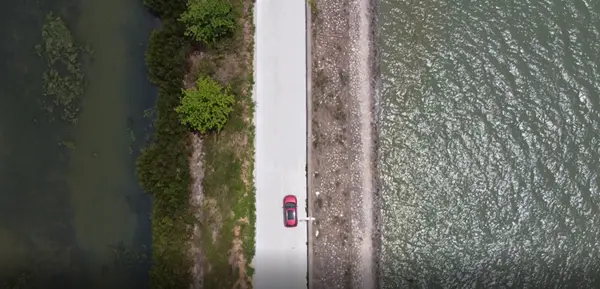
(73, 216)
(490, 147)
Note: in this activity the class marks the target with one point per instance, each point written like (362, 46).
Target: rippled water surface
(489, 123)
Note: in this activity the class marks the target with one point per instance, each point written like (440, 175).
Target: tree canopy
(208, 20)
(206, 106)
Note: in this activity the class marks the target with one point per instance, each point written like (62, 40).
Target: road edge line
(309, 168)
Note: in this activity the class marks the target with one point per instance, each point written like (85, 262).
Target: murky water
(490, 146)
(71, 212)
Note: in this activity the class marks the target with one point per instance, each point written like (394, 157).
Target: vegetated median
(176, 61)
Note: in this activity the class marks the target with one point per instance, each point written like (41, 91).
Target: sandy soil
(342, 166)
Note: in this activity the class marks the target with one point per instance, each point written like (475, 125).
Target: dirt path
(196, 200)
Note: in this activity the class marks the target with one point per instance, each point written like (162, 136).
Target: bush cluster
(163, 168)
(208, 20)
(207, 106)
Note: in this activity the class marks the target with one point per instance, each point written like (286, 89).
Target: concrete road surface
(280, 119)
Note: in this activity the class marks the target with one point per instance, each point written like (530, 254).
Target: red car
(290, 212)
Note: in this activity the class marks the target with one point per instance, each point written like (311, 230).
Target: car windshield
(290, 205)
(290, 215)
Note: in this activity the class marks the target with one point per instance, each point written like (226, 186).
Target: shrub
(163, 167)
(166, 9)
(166, 56)
(208, 20)
(206, 106)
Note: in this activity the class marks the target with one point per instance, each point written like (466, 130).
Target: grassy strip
(229, 162)
(163, 167)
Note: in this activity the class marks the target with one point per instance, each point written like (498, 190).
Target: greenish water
(71, 212)
(489, 118)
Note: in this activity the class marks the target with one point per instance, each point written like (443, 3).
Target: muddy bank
(342, 150)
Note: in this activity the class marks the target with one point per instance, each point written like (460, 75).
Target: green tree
(208, 20)
(205, 107)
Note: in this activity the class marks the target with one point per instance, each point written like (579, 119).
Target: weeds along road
(280, 165)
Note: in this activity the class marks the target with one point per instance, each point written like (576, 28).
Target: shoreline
(361, 76)
(342, 159)
(377, 201)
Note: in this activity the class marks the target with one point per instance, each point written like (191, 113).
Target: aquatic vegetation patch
(20, 280)
(63, 78)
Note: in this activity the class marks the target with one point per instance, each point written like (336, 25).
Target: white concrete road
(280, 164)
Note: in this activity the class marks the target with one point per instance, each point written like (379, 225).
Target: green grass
(313, 6)
(229, 165)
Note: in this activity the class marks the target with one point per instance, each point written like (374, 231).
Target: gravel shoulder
(343, 200)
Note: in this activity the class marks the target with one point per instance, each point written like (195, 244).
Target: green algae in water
(19, 281)
(126, 256)
(63, 80)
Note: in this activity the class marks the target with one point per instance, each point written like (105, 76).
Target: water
(489, 125)
(71, 212)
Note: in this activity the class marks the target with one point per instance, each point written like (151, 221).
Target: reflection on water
(490, 115)
(71, 213)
